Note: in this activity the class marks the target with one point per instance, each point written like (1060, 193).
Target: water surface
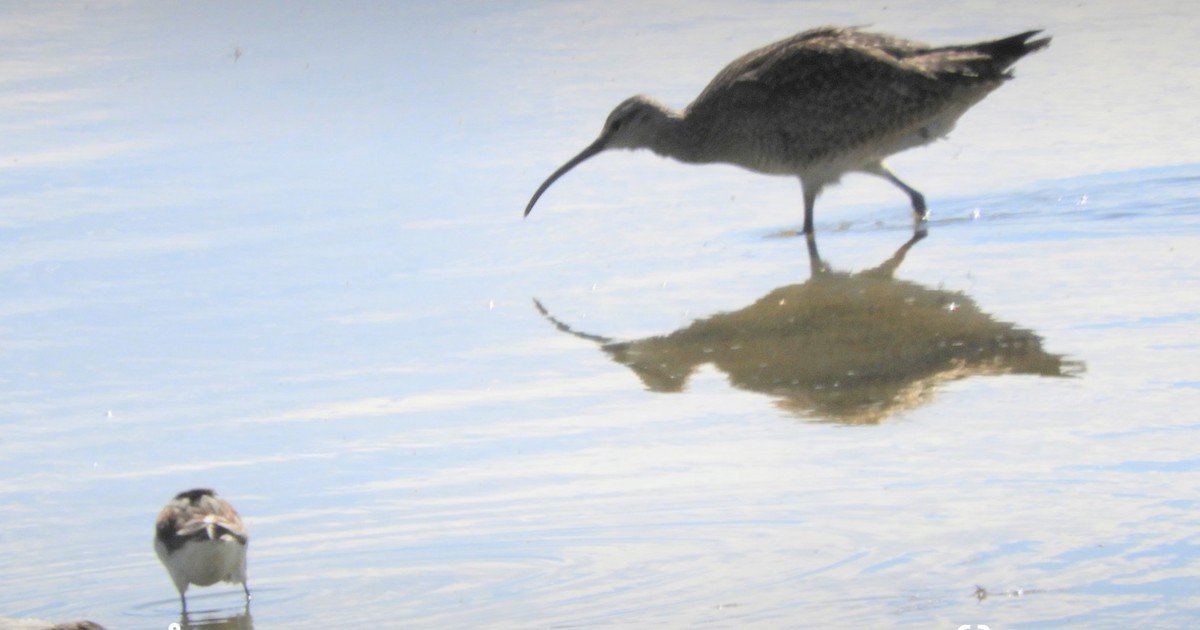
(278, 251)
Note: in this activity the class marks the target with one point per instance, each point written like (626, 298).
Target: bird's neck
(672, 137)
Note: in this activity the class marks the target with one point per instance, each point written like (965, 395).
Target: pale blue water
(300, 276)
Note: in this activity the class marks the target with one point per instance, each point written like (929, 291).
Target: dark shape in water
(848, 347)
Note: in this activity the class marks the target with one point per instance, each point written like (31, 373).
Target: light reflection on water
(300, 277)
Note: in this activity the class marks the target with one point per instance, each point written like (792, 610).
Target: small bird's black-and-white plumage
(817, 105)
(201, 540)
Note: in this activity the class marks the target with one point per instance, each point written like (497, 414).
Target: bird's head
(634, 124)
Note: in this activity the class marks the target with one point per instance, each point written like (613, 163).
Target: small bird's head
(634, 124)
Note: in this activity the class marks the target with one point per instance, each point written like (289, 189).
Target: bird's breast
(206, 562)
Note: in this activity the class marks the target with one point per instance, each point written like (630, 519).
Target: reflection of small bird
(818, 105)
(201, 540)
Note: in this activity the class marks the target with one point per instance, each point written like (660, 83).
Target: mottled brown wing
(830, 88)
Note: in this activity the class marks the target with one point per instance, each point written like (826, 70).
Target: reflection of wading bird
(849, 347)
(818, 105)
(201, 540)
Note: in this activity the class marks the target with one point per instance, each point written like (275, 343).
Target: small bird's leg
(183, 603)
(246, 589)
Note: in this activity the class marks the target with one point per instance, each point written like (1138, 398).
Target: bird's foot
(920, 222)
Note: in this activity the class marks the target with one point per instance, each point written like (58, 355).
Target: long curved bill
(593, 149)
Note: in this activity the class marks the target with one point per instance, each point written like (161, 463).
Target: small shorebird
(201, 540)
(817, 105)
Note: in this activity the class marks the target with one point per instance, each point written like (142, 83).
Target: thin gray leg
(811, 191)
(918, 200)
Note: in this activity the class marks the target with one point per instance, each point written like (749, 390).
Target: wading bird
(817, 105)
(201, 540)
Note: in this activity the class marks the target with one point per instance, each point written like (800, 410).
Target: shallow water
(298, 274)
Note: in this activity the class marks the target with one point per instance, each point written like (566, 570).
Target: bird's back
(834, 97)
(201, 539)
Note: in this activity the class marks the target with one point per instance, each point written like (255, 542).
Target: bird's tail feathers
(1006, 51)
